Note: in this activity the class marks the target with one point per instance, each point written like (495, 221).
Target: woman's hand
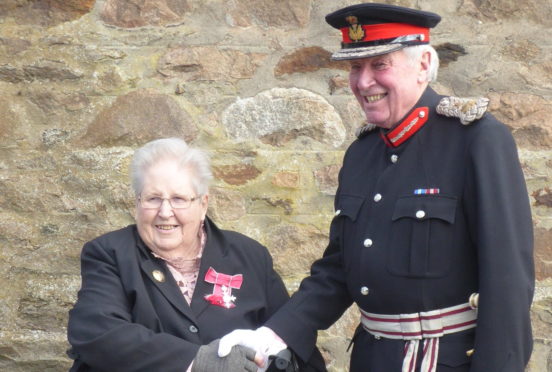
(239, 359)
(263, 340)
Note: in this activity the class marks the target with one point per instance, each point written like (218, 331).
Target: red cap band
(382, 31)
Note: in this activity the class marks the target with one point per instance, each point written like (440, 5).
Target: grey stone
(280, 115)
(138, 13)
(226, 205)
(137, 118)
(295, 247)
(53, 136)
(11, 74)
(46, 302)
(268, 13)
(44, 12)
(50, 70)
(12, 46)
(326, 178)
(208, 63)
(535, 10)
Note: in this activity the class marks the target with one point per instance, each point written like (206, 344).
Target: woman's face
(171, 232)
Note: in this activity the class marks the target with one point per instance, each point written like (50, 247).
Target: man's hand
(238, 358)
(263, 340)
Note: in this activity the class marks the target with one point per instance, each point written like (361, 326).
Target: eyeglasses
(176, 202)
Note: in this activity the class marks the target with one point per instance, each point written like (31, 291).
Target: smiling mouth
(166, 227)
(375, 97)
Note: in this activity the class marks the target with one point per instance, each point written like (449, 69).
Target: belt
(425, 325)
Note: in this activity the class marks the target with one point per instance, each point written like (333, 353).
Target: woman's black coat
(127, 318)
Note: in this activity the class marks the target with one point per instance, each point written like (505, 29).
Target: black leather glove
(240, 359)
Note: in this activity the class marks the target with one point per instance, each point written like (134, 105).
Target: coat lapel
(214, 255)
(162, 278)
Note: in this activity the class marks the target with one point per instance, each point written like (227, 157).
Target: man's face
(388, 86)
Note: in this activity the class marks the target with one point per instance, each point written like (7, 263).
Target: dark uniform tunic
(393, 251)
(131, 316)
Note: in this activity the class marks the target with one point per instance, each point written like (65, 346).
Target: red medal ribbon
(222, 290)
(232, 281)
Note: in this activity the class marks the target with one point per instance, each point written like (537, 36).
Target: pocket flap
(452, 349)
(349, 206)
(422, 207)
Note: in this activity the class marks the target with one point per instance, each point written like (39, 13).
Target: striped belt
(427, 326)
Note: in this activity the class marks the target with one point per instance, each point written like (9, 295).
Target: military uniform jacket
(395, 250)
(131, 316)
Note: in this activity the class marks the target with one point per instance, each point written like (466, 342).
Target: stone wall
(85, 82)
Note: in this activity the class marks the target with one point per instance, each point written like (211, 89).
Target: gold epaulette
(467, 110)
(362, 131)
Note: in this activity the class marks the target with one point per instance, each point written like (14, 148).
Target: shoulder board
(467, 110)
(364, 130)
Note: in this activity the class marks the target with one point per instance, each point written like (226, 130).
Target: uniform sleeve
(277, 296)
(276, 292)
(500, 223)
(101, 331)
(321, 299)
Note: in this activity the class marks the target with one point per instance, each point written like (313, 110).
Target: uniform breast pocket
(422, 236)
(343, 228)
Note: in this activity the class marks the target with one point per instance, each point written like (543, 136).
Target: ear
(425, 63)
(135, 211)
(204, 203)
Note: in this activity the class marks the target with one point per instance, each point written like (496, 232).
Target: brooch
(222, 289)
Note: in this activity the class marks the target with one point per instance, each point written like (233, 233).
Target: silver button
(368, 243)
(421, 114)
(420, 214)
(193, 329)
(377, 197)
(364, 291)
(338, 212)
(394, 158)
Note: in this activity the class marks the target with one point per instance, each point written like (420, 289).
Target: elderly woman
(157, 295)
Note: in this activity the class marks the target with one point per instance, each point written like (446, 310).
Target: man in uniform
(432, 234)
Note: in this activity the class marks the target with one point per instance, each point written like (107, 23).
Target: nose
(165, 210)
(364, 78)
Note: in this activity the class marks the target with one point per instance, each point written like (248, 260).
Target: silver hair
(172, 149)
(415, 52)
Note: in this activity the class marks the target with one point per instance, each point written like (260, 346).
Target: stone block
(46, 301)
(206, 63)
(236, 174)
(543, 253)
(138, 117)
(269, 13)
(139, 13)
(286, 179)
(278, 116)
(307, 60)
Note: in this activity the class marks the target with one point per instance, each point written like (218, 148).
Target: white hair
(414, 53)
(172, 149)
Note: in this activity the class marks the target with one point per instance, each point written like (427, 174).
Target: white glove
(263, 340)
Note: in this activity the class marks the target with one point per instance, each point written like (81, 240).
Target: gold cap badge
(356, 32)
